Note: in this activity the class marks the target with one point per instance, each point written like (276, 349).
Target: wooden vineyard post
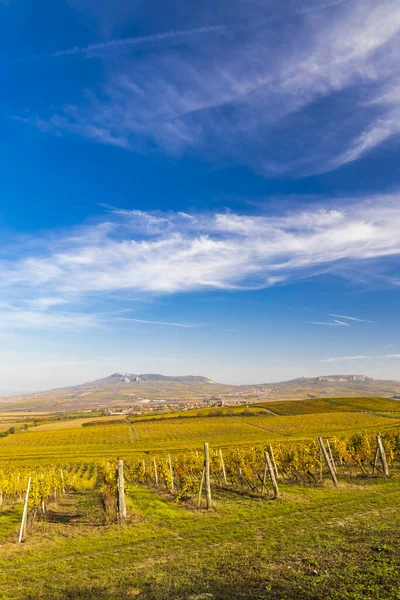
(155, 471)
(62, 482)
(207, 475)
(171, 473)
(201, 487)
(374, 465)
(264, 480)
(121, 493)
(22, 530)
(321, 465)
(382, 455)
(273, 461)
(331, 456)
(42, 502)
(222, 465)
(327, 461)
(272, 474)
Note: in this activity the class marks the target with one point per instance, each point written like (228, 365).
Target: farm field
(6, 424)
(313, 541)
(69, 440)
(74, 423)
(288, 408)
(329, 405)
(18, 419)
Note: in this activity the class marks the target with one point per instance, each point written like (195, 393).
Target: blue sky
(199, 189)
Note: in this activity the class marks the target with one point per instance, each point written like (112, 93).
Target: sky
(203, 188)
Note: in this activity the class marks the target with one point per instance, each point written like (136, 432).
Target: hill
(131, 388)
(117, 378)
(326, 385)
(121, 388)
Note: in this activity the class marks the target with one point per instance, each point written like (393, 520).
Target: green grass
(10, 518)
(314, 543)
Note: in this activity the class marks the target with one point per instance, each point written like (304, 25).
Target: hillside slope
(126, 388)
(328, 385)
(131, 388)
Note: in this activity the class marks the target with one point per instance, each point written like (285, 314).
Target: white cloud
(359, 357)
(329, 324)
(143, 40)
(340, 358)
(29, 319)
(244, 96)
(155, 322)
(169, 253)
(351, 318)
(46, 303)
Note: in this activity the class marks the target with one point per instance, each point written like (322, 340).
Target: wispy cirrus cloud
(142, 253)
(339, 323)
(359, 357)
(280, 99)
(334, 323)
(47, 302)
(165, 323)
(142, 40)
(344, 358)
(20, 318)
(350, 318)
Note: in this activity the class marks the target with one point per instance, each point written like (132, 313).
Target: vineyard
(150, 499)
(253, 468)
(246, 467)
(330, 405)
(66, 442)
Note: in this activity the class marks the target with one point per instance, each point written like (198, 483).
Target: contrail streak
(138, 41)
(154, 322)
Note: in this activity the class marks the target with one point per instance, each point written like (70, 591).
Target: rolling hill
(120, 388)
(132, 388)
(328, 386)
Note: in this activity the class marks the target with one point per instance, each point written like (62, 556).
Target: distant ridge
(326, 386)
(330, 379)
(126, 388)
(134, 378)
(117, 378)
